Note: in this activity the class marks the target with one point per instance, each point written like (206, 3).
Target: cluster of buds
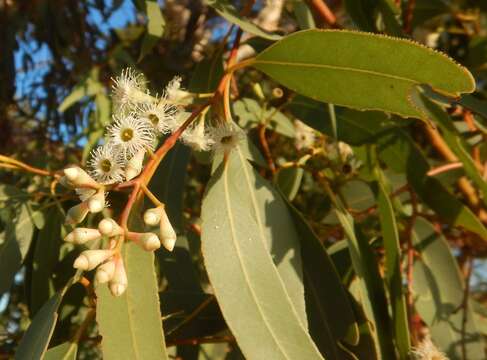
(108, 262)
(90, 192)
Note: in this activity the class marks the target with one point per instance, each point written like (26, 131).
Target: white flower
(426, 350)
(197, 137)
(225, 137)
(130, 134)
(158, 114)
(304, 137)
(128, 89)
(175, 94)
(106, 164)
(134, 165)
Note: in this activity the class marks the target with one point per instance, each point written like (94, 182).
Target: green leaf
(392, 247)
(18, 234)
(35, 341)
(65, 351)
(87, 87)
(250, 114)
(357, 195)
(237, 260)
(401, 154)
(331, 318)
(323, 64)
(303, 15)
(439, 288)
(226, 10)
(289, 181)
(371, 290)
(155, 27)
(452, 139)
(45, 258)
(131, 324)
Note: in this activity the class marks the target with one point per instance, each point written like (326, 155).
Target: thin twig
(322, 9)
(466, 295)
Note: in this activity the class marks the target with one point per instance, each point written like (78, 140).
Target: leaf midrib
(335, 67)
(244, 271)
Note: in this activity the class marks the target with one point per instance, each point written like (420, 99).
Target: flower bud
(109, 227)
(153, 216)
(105, 272)
(167, 233)
(90, 259)
(96, 203)
(147, 241)
(77, 213)
(119, 281)
(134, 165)
(78, 177)
(82, 235)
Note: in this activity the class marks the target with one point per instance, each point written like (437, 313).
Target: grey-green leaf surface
(36, 339)
(65, 351)
(131, 324)
(276, 229)
(226, 10)
(439, 291)
(238, 262)
(360, 70)
(87, 87)
(289, 181)
(392, 247)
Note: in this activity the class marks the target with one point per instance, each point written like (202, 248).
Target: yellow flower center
(127, 135)
(226, 140)
(153, 119)
(105, 165)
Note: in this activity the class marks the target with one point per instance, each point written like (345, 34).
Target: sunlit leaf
(323, 64)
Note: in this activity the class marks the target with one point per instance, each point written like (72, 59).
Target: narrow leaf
(226, 10)
(394, 282)
(131, 324)
(65, 351)
(238, 262)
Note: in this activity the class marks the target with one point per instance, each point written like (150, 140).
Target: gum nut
(71, 173)
(131, 172)
(77, 213)
(90, 259)
(81, 263)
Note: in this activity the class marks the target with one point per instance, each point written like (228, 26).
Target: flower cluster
(138, 120)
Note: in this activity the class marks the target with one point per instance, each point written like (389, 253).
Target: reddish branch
(321, 8)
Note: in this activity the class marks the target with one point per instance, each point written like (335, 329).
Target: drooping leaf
(331, 318)
(439, 290)
(131, 324)
(226, 10)
(155, 27)
(392, 247)
(45, 258)
(323, 64)
(238, 262)
(18, 233)
(400, 154)
(371, 290)
(452, 139)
